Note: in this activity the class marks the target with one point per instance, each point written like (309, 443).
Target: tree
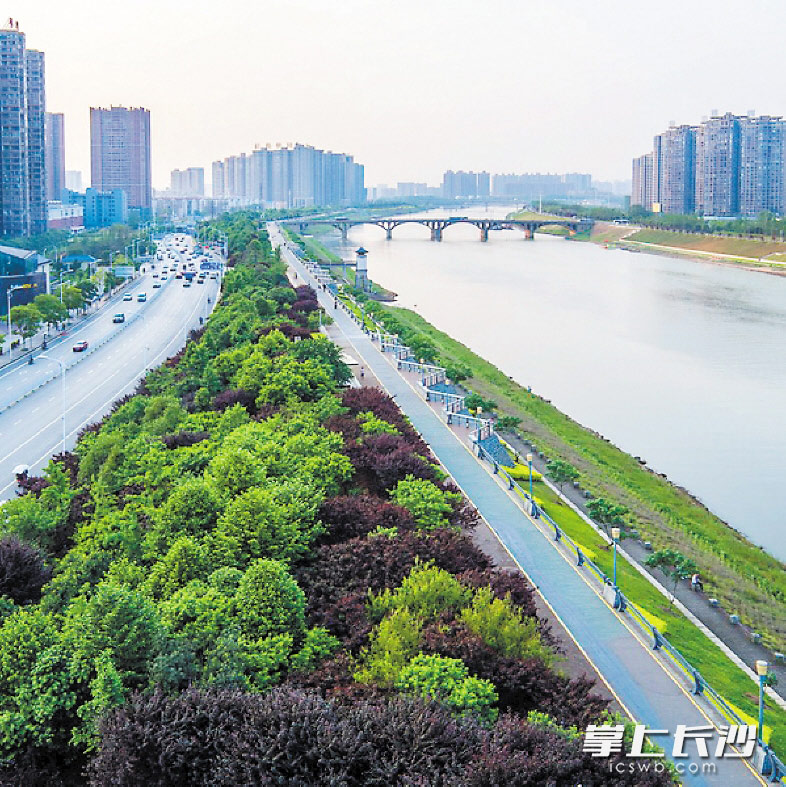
(26, 319)
(457, 372)
(561, 472)
(73, 298)
(51, 310)
(507, 422)
(674, 565)
(606, 513)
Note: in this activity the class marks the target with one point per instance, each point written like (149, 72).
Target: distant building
(105, 208)
(22, 110)
(641, 189)
(120, 155)
(465, 184)
(55, 155)
(73, 180)
(293, 176)
(730, 165)
(187, 182)
(65, 215)
(762, 165)
(677, 170)
(534, 186)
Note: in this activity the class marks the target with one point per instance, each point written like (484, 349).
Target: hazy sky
(409, 87)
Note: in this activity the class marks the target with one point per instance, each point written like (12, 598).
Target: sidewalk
(633, 673)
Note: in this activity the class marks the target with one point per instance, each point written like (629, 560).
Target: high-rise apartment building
(120, 155)
(762, 162)
(188, 182)
(22, 155)
(465, 184)
(55, 155)
(292, 176)
(730, 165)
(641, 191)
(676, 168)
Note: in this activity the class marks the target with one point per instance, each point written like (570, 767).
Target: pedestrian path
(633, 672)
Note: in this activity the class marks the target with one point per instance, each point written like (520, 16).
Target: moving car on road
(119, 317)
(80, 347)
(128, 297)
(141, 297)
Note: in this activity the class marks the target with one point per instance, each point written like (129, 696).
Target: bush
(349, 517)
(428, 504)
(23, 571)
(448, 681)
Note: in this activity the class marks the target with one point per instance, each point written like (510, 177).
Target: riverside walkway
(634, 673)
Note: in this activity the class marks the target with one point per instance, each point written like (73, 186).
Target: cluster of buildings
(529, 186)
(295, 176)
(729, 165)
(34, 192)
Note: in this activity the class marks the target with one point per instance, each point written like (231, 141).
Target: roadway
(642, 683)
(31, 430)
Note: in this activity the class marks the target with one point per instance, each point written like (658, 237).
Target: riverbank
(717, 250)
(746, 580)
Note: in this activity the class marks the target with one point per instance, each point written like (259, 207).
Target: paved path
(631, 670)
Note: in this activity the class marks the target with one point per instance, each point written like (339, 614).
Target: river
(680, 362)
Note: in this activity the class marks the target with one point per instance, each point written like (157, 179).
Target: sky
(409, 87)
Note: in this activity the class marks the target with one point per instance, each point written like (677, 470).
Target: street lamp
(529, 463)
(615, 537)
(62, 375)
(761, 670)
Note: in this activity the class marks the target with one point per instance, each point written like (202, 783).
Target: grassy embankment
(746, 579)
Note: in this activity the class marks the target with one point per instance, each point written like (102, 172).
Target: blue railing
(773, 766)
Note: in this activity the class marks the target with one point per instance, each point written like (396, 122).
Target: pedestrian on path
(696, 584)
(362, 372)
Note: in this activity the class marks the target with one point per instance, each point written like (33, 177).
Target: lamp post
(63, 378)
(615, 537)
(761, 671)
(529, 464)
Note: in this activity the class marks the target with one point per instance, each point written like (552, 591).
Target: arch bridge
(439, 225)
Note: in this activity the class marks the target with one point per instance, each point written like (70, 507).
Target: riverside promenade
(635, 674)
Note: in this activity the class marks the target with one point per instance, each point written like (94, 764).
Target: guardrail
(772, 766)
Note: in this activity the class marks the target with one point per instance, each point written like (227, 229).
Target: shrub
(348, 517)
(427, 503)
(23, 571)
(504, 628)
(448, 681)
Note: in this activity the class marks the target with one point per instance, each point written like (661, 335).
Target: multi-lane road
(31, 427)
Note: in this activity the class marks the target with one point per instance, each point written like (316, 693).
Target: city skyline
(522, 101)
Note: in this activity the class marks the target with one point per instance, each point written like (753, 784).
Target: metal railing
(773, 766)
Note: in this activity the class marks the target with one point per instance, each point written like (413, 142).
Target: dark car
(119, 317)
(80, 347)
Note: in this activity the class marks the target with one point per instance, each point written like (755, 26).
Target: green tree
(606, 513)
(73, 298)
(26, 319)
(457, 372)
(561, 472)
(51, 310)
(674, 565)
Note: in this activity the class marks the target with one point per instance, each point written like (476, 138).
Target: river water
(682, 363)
